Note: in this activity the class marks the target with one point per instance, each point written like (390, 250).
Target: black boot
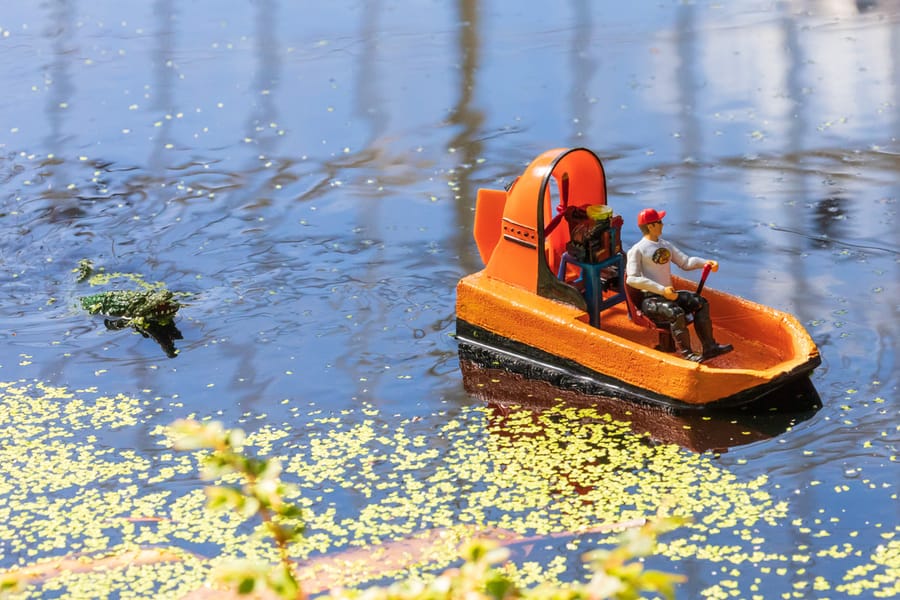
(682, 339)
(716, 350)
(703, 325)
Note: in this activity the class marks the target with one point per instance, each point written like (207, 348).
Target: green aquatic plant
(262, 493)
(616, 575)
(84, 270)
(11, 583)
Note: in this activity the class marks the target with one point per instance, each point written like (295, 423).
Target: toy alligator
(149, 311)
(139, 306)
(557, 308)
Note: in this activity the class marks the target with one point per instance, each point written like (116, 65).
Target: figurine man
(649, 270)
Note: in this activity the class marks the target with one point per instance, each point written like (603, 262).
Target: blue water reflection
(308, 172)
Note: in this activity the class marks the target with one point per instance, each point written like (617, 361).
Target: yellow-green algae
(367, 479)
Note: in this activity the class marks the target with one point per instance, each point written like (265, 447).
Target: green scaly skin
(139, 306)
(149, 310)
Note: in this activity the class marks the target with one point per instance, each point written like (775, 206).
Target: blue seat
(591, 276)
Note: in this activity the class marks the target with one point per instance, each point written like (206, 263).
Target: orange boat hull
(619, 358)
(527, 307)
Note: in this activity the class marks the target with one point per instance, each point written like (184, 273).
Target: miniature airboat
(552, 302)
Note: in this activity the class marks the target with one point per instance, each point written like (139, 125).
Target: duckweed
(74, 502)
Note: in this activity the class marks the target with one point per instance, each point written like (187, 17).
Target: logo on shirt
(661, 256)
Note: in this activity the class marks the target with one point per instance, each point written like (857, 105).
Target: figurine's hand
(670, 294)
(714, 265)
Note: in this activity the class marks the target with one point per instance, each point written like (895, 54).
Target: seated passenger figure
(648, 269)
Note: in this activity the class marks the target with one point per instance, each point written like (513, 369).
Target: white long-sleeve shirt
(648, 265)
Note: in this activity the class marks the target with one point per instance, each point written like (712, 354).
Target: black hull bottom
(494, 351)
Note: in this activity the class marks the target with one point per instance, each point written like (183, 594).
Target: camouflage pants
(674, 313)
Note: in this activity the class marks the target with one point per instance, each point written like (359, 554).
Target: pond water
(307, 173)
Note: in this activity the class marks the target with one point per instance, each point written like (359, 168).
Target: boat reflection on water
(505, 391)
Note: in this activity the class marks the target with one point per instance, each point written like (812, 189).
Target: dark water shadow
(505, 392)
(163, 334)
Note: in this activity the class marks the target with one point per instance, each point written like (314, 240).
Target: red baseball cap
(649, 215)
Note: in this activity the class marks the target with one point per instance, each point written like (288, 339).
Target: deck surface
(747, 354)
